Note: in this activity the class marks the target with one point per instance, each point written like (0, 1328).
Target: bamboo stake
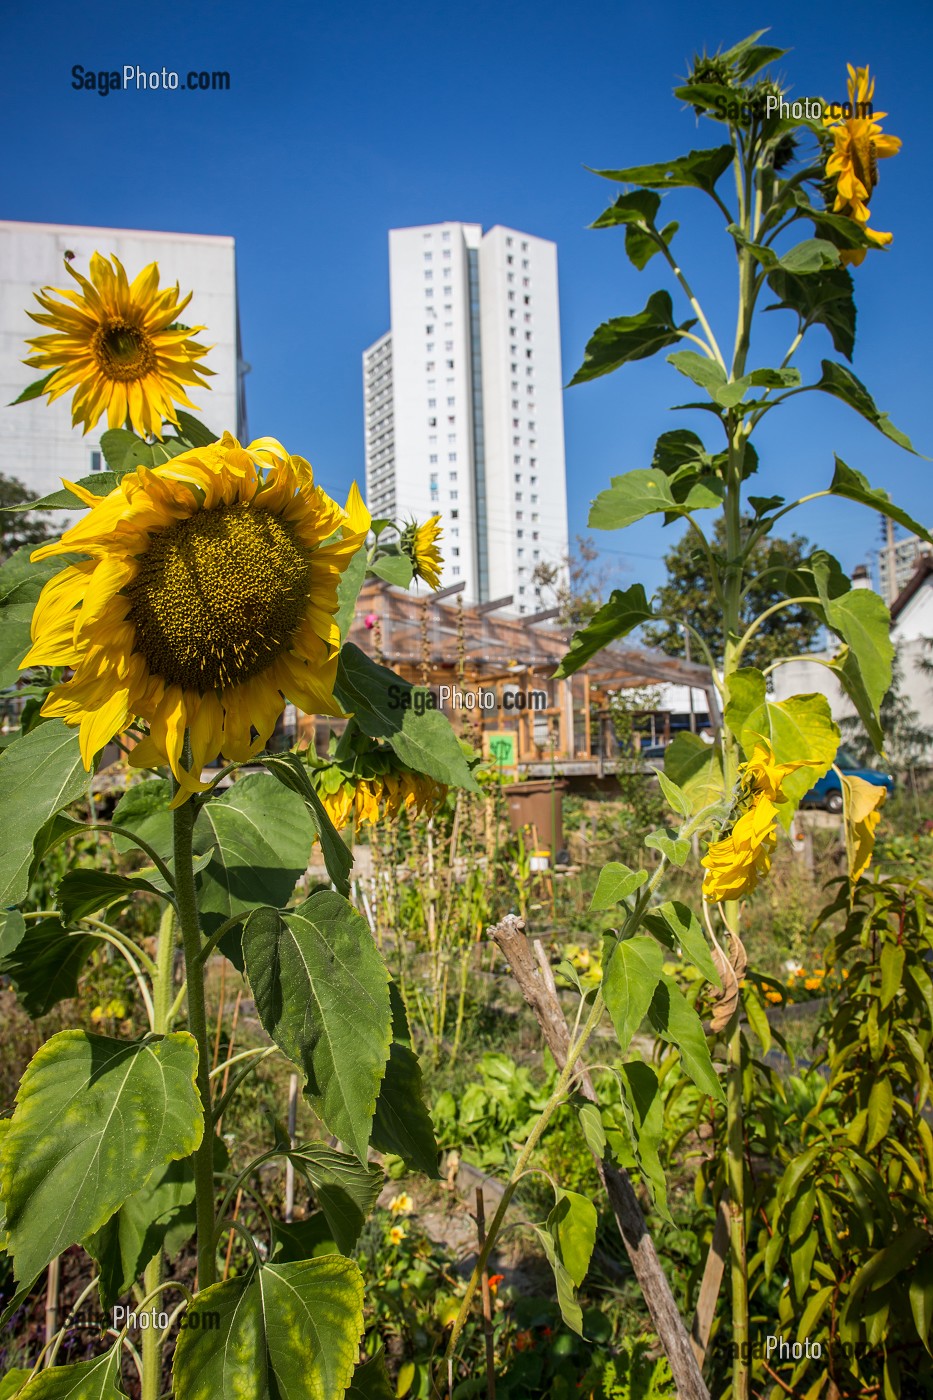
(487, 1299)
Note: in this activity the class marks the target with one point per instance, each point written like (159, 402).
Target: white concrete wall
(910, 634)
(37, 442)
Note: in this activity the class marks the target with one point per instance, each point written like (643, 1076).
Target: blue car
(827, 792)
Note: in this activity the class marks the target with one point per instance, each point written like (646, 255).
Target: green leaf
(646, 491)
(194, 431)
(675, 1020)
(645, 1116)
(615, 619)
(348, 590)
(572, 1226)
(15, 640)
(812, 255)
(322, 994)
(670, 844)
(346, 1190)
(641, 246)
(920, 1289)
(83, 892)
(394, 568)
(854, 487)
(706, 373)
(616, 882)
(12, 1382)
(100, 484)
(371, 1380)
(98, 1379)
(696, 767)
(39, 775)
(292, 773)
(842, 384)
(801, 727)
(700, 169)
(860, 617)
(95, 1120)
(402, 1124)
(637, 207)
(757, 1019)
(591, 1125)
(880, 1112)
(826, 300)
(632, 971)
(145, 810)
(676, 798)
(262, 837)
(12, 931)
(35, 390)
(626, 338)
(893, 956)
(380, 700)
(115, 444)
(304, 1239)
(680, 448)
(159, 1217)
(570, 1309)
(287, 1332)
(685, 927)
(45, 965)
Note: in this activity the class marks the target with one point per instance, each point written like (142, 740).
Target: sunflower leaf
(292, 1329)
(615, 619)
(854, 486)
(346, 1190)
(322, 994)
(45, 965)
(292, 773)
(98, 1379)
(100, 484)
(626, 338)
(700, 169)
(35, 390)
(842, 384)
(40, 774)
(95, 1119)
(115, 443)
(676, 1021)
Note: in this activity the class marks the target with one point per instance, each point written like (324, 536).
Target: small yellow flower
(811, 984)
(118, 344)
(773, 996)
(97, 1015)
(859, 143)
(396, 1235)
(419, 542)
(401, 1204)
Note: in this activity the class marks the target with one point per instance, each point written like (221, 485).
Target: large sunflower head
(119, 346)
(858, 144)
(419, 542)
(207, 596)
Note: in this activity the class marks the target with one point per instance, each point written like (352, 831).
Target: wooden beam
(485, 608)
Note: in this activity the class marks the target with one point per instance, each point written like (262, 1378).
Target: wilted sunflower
(734, 863)
(380, 797)
(209, 595)
(419, 542)
(118, 345)
(862, 806)
(859, 145)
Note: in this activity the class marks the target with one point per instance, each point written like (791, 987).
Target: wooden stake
(289, 1164)
(51, 1304)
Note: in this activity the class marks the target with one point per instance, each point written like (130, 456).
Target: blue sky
(345, 120)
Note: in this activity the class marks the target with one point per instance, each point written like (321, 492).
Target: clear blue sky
(345, 120)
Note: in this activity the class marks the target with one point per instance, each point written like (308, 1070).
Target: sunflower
(118, 344)
(419, 542)
(862, 802)
(859, 143)
(209, 593)
(734, 863)
(381, 797)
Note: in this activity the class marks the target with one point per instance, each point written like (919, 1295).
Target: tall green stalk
(161, 1016)
(187, 904)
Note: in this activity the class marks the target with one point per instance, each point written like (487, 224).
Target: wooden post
(586, 715)
(51, 1305)
(487, 1300)
(537, 987)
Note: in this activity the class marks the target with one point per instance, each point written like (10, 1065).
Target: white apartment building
(463, 404)
(37, 441)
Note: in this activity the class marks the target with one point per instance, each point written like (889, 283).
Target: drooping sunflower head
(375, 796)
(852, 168)
(419, 542)
(118, 344)
(743, 852)
(208, 596)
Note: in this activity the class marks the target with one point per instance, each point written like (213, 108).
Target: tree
(18, 528)
(577, 592)
(689, 593)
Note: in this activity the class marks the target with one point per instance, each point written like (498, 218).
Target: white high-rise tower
(463, 404)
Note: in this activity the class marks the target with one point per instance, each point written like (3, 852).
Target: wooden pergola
(459, 650)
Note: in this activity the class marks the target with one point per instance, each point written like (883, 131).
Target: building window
(446, 252)
(451, 403)
(517, 459)
(450, 364)
(453, 476)
(96, 462)
(451, 456)
(432, 403)
(445, 236)
(448, 345)
(453, 495)
(432, 422)
(455, 552)
(432, 457)
(455, 571)
(454, 514)
(429, 366)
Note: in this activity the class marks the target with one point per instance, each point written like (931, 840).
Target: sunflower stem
(187, 903)
(153, 1340)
